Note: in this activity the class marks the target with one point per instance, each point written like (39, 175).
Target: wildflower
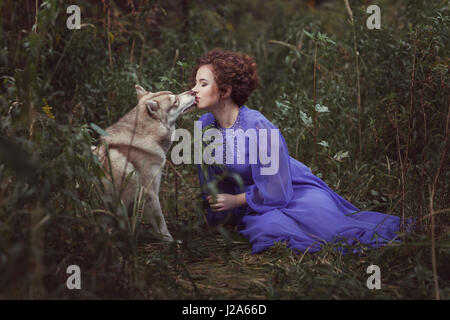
(47, 109)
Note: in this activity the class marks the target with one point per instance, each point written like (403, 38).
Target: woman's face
(206, 90)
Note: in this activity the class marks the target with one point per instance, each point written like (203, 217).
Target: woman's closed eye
(202, 84)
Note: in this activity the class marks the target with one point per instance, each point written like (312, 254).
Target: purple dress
(292, 205)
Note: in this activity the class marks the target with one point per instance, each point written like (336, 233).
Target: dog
(139, 142)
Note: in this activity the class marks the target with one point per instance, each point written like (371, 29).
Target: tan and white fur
(139, 142)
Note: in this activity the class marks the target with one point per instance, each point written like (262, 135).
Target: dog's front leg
(153, 213)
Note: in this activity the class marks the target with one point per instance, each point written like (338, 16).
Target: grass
(218, 264)
(223, 267)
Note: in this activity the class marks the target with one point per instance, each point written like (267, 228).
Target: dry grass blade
(349, 10)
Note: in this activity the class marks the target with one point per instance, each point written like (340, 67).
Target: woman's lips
(196, 100)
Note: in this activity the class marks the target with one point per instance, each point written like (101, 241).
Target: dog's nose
(192, 92)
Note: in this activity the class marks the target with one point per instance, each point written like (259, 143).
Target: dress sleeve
(271, 172)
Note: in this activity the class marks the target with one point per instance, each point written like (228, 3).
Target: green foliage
(61, 88)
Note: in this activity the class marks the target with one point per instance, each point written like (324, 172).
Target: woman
(291, 205)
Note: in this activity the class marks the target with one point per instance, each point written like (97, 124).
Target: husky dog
(139, 142)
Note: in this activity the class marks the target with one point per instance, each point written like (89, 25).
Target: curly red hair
(231, 69)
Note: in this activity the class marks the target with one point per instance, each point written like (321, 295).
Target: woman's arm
(225, 201)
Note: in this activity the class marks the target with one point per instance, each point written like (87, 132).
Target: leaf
(324, 37)
(111, 36)
(306, 119)
(282, 105)
(320, 108)
(98, 129)
(323, 143)
(309, 35)
(340, 155)
(184, 65)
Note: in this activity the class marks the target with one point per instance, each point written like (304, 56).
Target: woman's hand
(223, 202)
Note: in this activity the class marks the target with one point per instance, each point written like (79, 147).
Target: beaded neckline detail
(231, 134)
(235, 125)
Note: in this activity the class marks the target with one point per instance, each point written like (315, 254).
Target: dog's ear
(152, 108)
(140, 92)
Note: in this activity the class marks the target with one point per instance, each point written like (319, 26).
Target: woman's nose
(192, 92)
